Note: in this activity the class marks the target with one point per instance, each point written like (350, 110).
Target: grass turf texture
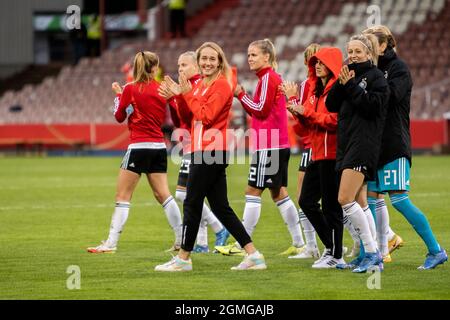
(51, 209)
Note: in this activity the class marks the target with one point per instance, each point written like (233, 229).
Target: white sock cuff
(180, 195)
(252, 201)
(380, 203)
(283, 201)
(351, 208)
(167, 201)
(122, 204)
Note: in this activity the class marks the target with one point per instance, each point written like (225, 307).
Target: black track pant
(209, 180)
(321, 182)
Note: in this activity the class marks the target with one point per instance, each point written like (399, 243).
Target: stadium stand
(81, 93)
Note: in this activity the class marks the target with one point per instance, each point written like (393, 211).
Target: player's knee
(344, 199)
(160, 197)
(252, 191)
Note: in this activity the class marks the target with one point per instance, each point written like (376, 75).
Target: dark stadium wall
(16, 18)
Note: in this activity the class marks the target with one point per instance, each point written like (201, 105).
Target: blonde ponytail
(144, 62)
(383, 34)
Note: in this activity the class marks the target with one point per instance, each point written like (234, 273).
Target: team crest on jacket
(363, 83)
(386, 74)
(312, 98)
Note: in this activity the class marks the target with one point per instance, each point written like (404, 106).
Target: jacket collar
(263, 71)
(194, 78)
(389, 55)
(361, 68)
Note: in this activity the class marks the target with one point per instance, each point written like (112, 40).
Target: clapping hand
(185, 84)
(296, 110)
(169, 88)
(289, 88)
(345, 75)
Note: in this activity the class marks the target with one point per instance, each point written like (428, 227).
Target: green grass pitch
(51, 209)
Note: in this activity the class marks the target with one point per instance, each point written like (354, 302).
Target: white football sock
(252, 212)
(180, 195)
(391, 233)
(174, 217)
(289, 213)
(202, 235)
(371, 221)
(211, 219)
(359, 221)
(351, 229)
(382, 226)
(207, 214)
(308, 230)
(118, 220)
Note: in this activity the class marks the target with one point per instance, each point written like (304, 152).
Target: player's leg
(180, 195)
(361, 198)
(309, 202)
(218, 199)
(382, 221)
(276, 179)
(158, 183)
(253, 192)
(290, 217)
(387, 240)
(200, 179)
(401, 202)
(351, 182)
(365, 203)
(252, 208)
(126, 183)
(308, 229)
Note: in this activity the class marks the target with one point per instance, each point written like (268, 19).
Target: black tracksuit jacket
(396, 140)
(361, 105)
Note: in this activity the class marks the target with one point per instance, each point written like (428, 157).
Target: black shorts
(269, 168)
(363, 169)
(306, 159)
(184, 170)
(145, 161)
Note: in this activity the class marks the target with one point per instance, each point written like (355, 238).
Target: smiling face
(357, 52)
(187, 66)
(257, 60)
(209, 61)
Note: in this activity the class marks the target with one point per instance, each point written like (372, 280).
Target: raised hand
(345, 75)
(238, 90)
(174, 87)
(164, 91)
(116, 88)
(169, 88)
(290, 89)
(185, 85)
